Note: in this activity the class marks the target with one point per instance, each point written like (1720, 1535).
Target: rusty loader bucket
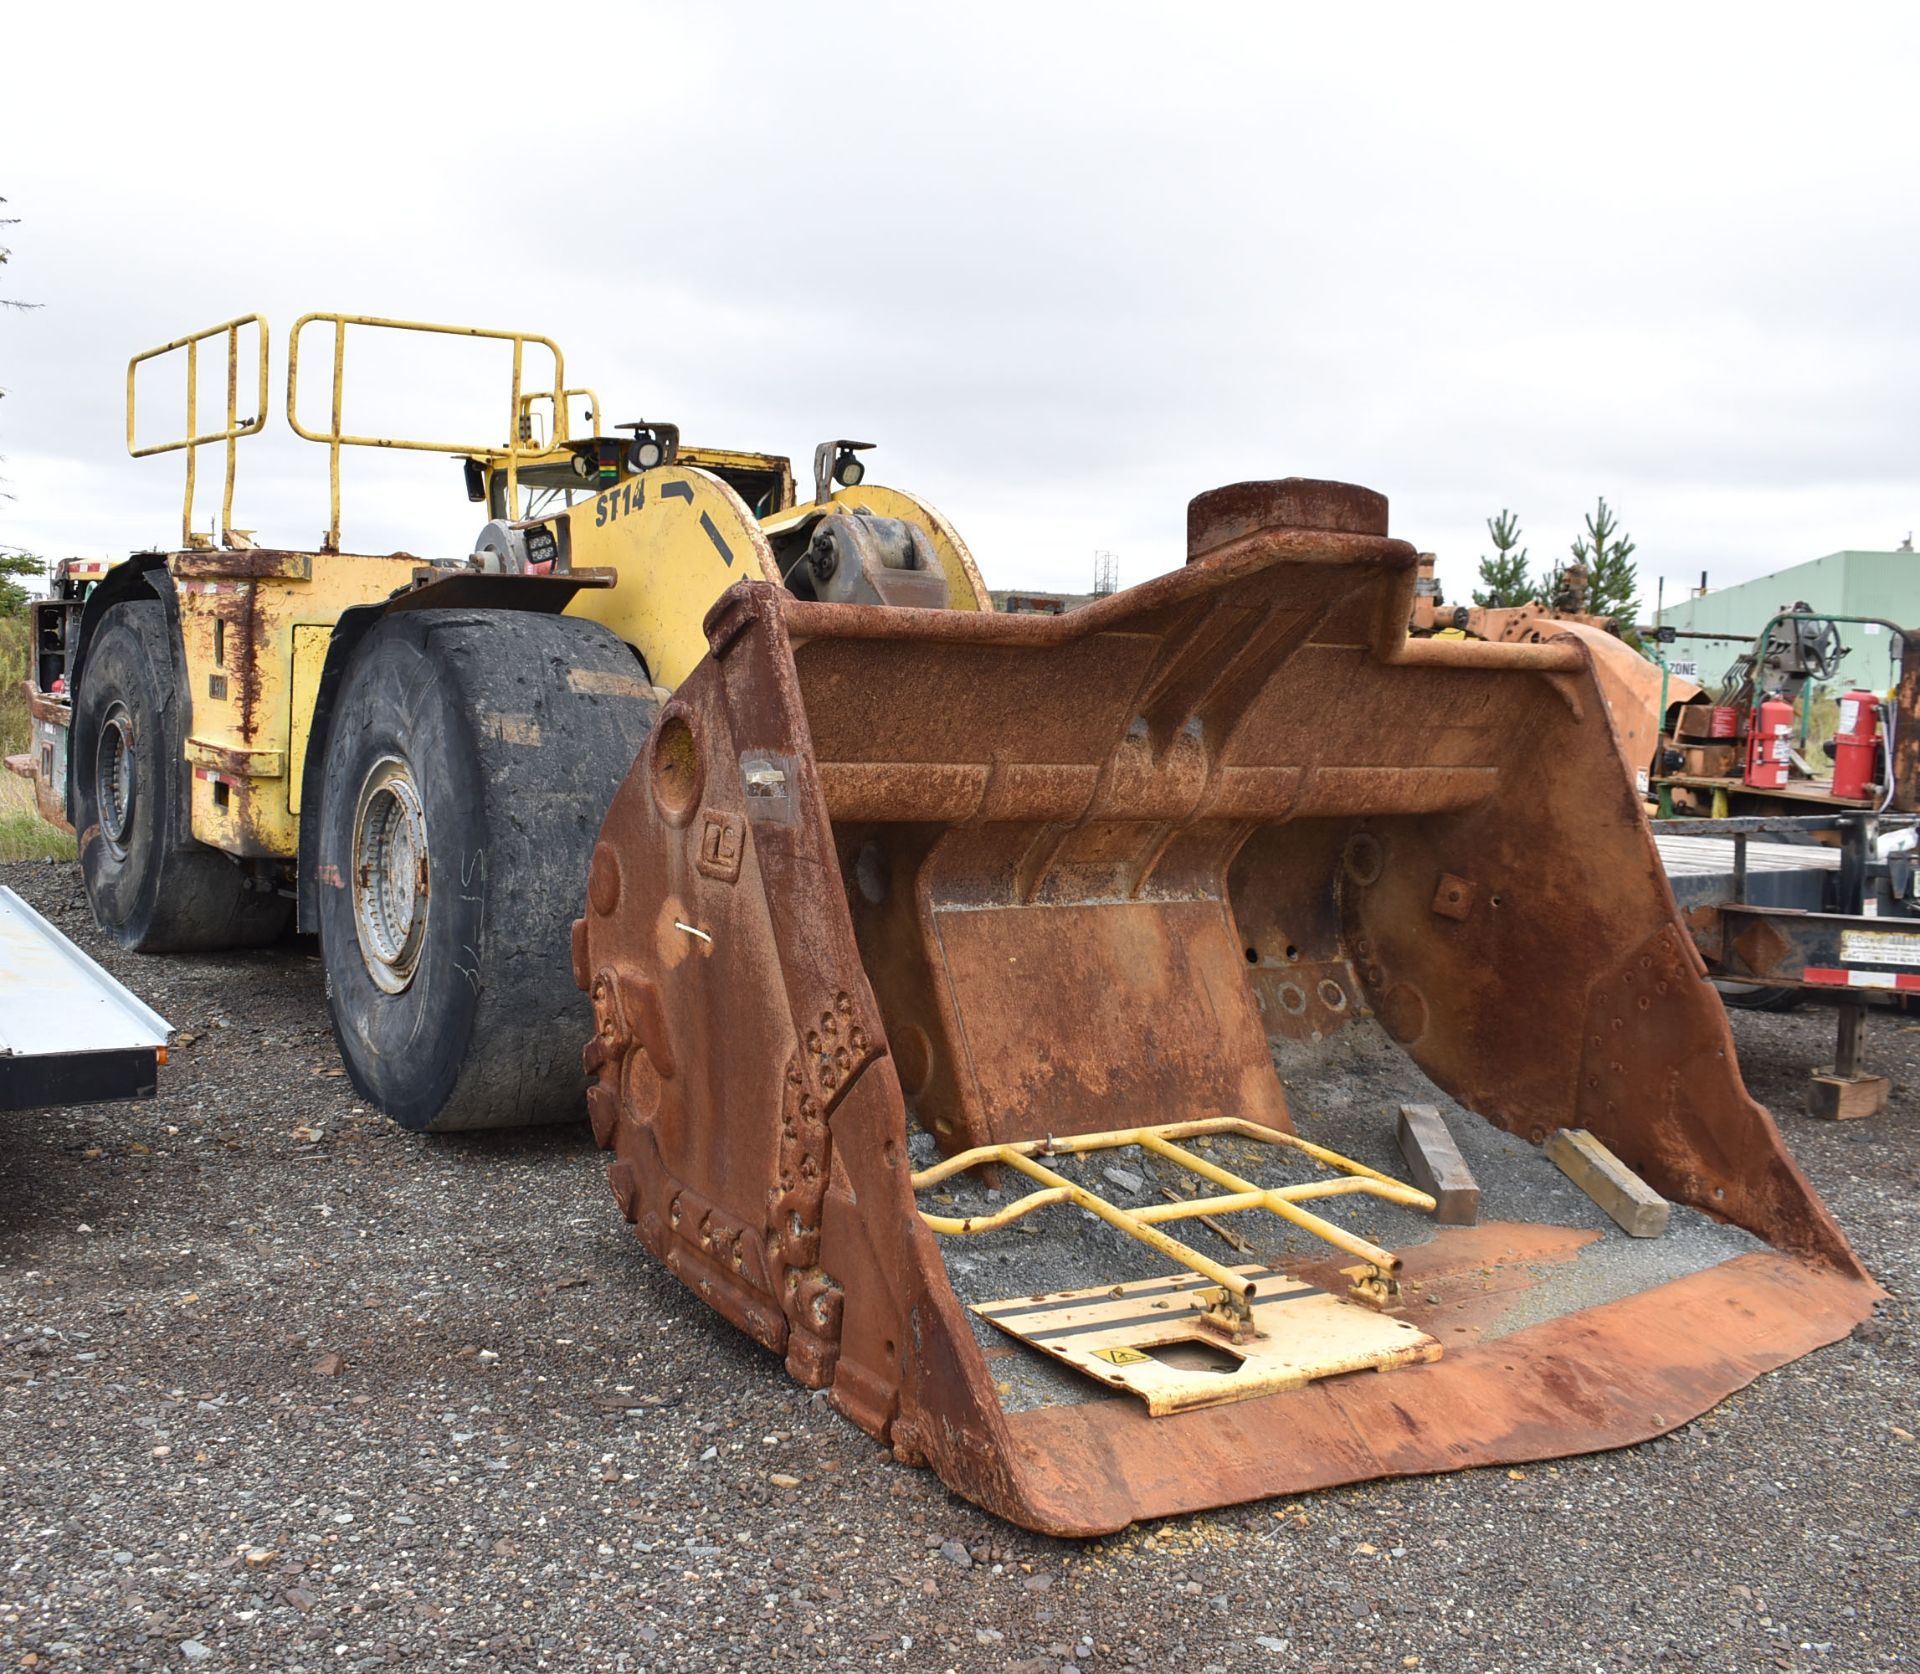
(941, 964)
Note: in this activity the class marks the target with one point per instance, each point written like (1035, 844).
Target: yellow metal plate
(309, 658)
(1146, 1338)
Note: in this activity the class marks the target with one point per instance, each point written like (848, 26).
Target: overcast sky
(1067, 265)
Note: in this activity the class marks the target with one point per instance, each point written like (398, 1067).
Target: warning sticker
(1882, 947)
(1121, 1356)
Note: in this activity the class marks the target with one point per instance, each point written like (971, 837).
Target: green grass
(23, 834)
(13, 670)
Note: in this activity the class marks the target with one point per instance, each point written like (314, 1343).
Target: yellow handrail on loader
(194, 440)
(562, 424)
(335, 438)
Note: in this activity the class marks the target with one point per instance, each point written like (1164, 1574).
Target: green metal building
(1884, 584)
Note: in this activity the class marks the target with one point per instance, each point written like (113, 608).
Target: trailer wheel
(469, 763)
(152, 887)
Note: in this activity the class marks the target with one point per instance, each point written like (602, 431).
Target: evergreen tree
(13, 596)
(1503, 577)
(1606, 554)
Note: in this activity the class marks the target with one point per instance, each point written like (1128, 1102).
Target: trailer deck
(1702, 871)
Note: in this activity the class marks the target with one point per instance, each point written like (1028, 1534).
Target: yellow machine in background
(193, 701)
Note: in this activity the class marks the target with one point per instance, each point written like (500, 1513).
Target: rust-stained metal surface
(44, 765)
(1906, 743)
(998, 878)
(242, 614)
(253, 563)
(1789, 947)
(1637, 692)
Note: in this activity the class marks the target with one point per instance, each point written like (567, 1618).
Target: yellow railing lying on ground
(1236, 1289)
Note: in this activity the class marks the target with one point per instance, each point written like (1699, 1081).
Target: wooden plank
(1799, 790)
(1437, 1167)
(1640, 1211)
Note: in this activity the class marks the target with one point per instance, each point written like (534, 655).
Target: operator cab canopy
(594, 463)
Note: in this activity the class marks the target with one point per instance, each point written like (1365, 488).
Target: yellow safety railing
(335, 438)
(1236, 1290)
(562, 424)
(195, 439)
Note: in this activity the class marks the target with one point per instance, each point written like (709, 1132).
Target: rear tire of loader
(152, 887)
(469, 763)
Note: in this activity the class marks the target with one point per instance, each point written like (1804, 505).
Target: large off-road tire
(469, 763)
(152, 887)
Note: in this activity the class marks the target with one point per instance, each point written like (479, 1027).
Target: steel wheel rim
(115, 782)
(390, 874)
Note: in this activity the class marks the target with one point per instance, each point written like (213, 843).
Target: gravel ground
(282, 1387)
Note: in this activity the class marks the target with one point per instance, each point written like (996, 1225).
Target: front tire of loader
(152, 887)
(469, 763)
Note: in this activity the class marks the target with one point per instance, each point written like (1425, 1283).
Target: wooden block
(1695, 724)
(1712, 761)
(1437, 1167)
(1640, 1211)
(1841, 1098)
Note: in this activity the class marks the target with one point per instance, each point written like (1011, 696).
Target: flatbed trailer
(1819, 906)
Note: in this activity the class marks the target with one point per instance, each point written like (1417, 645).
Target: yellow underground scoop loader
(1003, 1019)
